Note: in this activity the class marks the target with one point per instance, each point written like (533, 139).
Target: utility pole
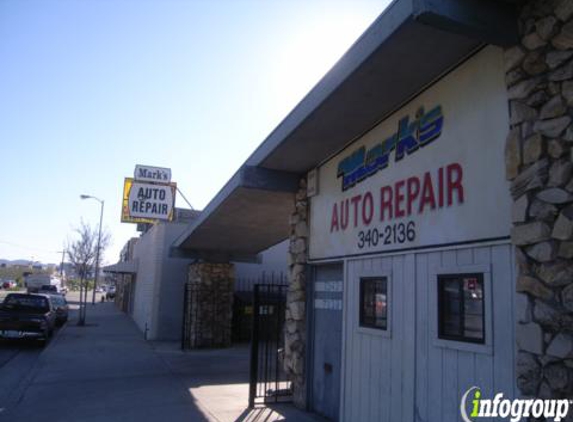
(63, 251)
(97, 253)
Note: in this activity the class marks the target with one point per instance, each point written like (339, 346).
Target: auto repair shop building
(425, 186)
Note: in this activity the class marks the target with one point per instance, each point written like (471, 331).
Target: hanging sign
(152, 174)
(147, 202)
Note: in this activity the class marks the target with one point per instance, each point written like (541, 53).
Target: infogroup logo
(514, 410)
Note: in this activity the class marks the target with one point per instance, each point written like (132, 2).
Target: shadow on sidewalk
(219, 380)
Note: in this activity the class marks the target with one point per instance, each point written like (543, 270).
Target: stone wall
(211, 304)
(122, 291)
(539, 77)
(295, 330)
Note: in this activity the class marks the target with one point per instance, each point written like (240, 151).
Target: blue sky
(89, 89)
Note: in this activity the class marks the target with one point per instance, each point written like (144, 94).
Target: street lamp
(63, 252)
(101, 202)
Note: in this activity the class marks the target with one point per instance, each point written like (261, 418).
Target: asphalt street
(16, 364)
(17, 360)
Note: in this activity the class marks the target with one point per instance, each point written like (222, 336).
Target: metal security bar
(243, 302)
(268, 380)
(246, 284)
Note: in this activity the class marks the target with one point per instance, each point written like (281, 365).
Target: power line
(28, 247)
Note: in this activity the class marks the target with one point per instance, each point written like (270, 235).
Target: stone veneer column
(539, 78)
(295, 332)
(212, 308)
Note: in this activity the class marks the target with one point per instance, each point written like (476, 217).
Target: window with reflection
(461, 307)
(374, 302)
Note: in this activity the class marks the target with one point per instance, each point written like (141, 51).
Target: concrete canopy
(411, 45)
(122, 267)
(231, 228)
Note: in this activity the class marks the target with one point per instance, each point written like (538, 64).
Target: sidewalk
(107, 372)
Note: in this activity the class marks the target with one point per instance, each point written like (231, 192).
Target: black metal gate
(268, 381)
(243, 302)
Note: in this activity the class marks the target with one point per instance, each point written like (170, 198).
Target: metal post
(253, 378)
(183, 322)
(97, 252)
(81, 319)
(62, 265)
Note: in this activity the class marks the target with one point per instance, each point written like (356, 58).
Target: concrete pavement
(17, 360)
(105, 371)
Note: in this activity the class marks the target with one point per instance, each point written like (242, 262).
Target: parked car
(110, 294)
(27, 316)
(60, 305)
(9, 284)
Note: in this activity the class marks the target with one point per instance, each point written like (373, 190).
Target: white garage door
(413, 345)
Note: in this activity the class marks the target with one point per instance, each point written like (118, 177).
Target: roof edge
(488, 21)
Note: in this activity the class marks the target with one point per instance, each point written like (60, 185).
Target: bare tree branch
(82, 254)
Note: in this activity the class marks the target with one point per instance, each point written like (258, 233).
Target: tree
(82, 254)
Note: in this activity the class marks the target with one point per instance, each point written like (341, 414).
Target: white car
(110, 292)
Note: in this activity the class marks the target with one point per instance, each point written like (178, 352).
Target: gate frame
(256, 343)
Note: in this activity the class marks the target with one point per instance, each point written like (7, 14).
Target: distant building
(148, 279)
(150, 276)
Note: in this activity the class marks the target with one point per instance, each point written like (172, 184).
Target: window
(461, 308)
(374, 302)
(26, 302)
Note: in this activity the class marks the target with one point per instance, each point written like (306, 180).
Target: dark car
(27, 316)
(60, 305)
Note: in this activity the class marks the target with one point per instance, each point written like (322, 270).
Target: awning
(122, 267)
(411, 45)
(232, 228)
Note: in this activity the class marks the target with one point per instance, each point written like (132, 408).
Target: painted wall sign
(152, 174)
(328, 286)
(328, 304)
(431, 174)
(363, 163)
(147, 202)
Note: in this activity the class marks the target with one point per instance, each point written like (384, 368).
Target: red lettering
(334, 219)
(427, 194)
(413, 188)
(355, 201)
(386, 202)
(344, 214)
(413, 194)
(367, 208)
(455, 175)
(440, 187)
(399, 198)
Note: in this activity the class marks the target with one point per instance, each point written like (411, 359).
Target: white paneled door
(409, 371)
